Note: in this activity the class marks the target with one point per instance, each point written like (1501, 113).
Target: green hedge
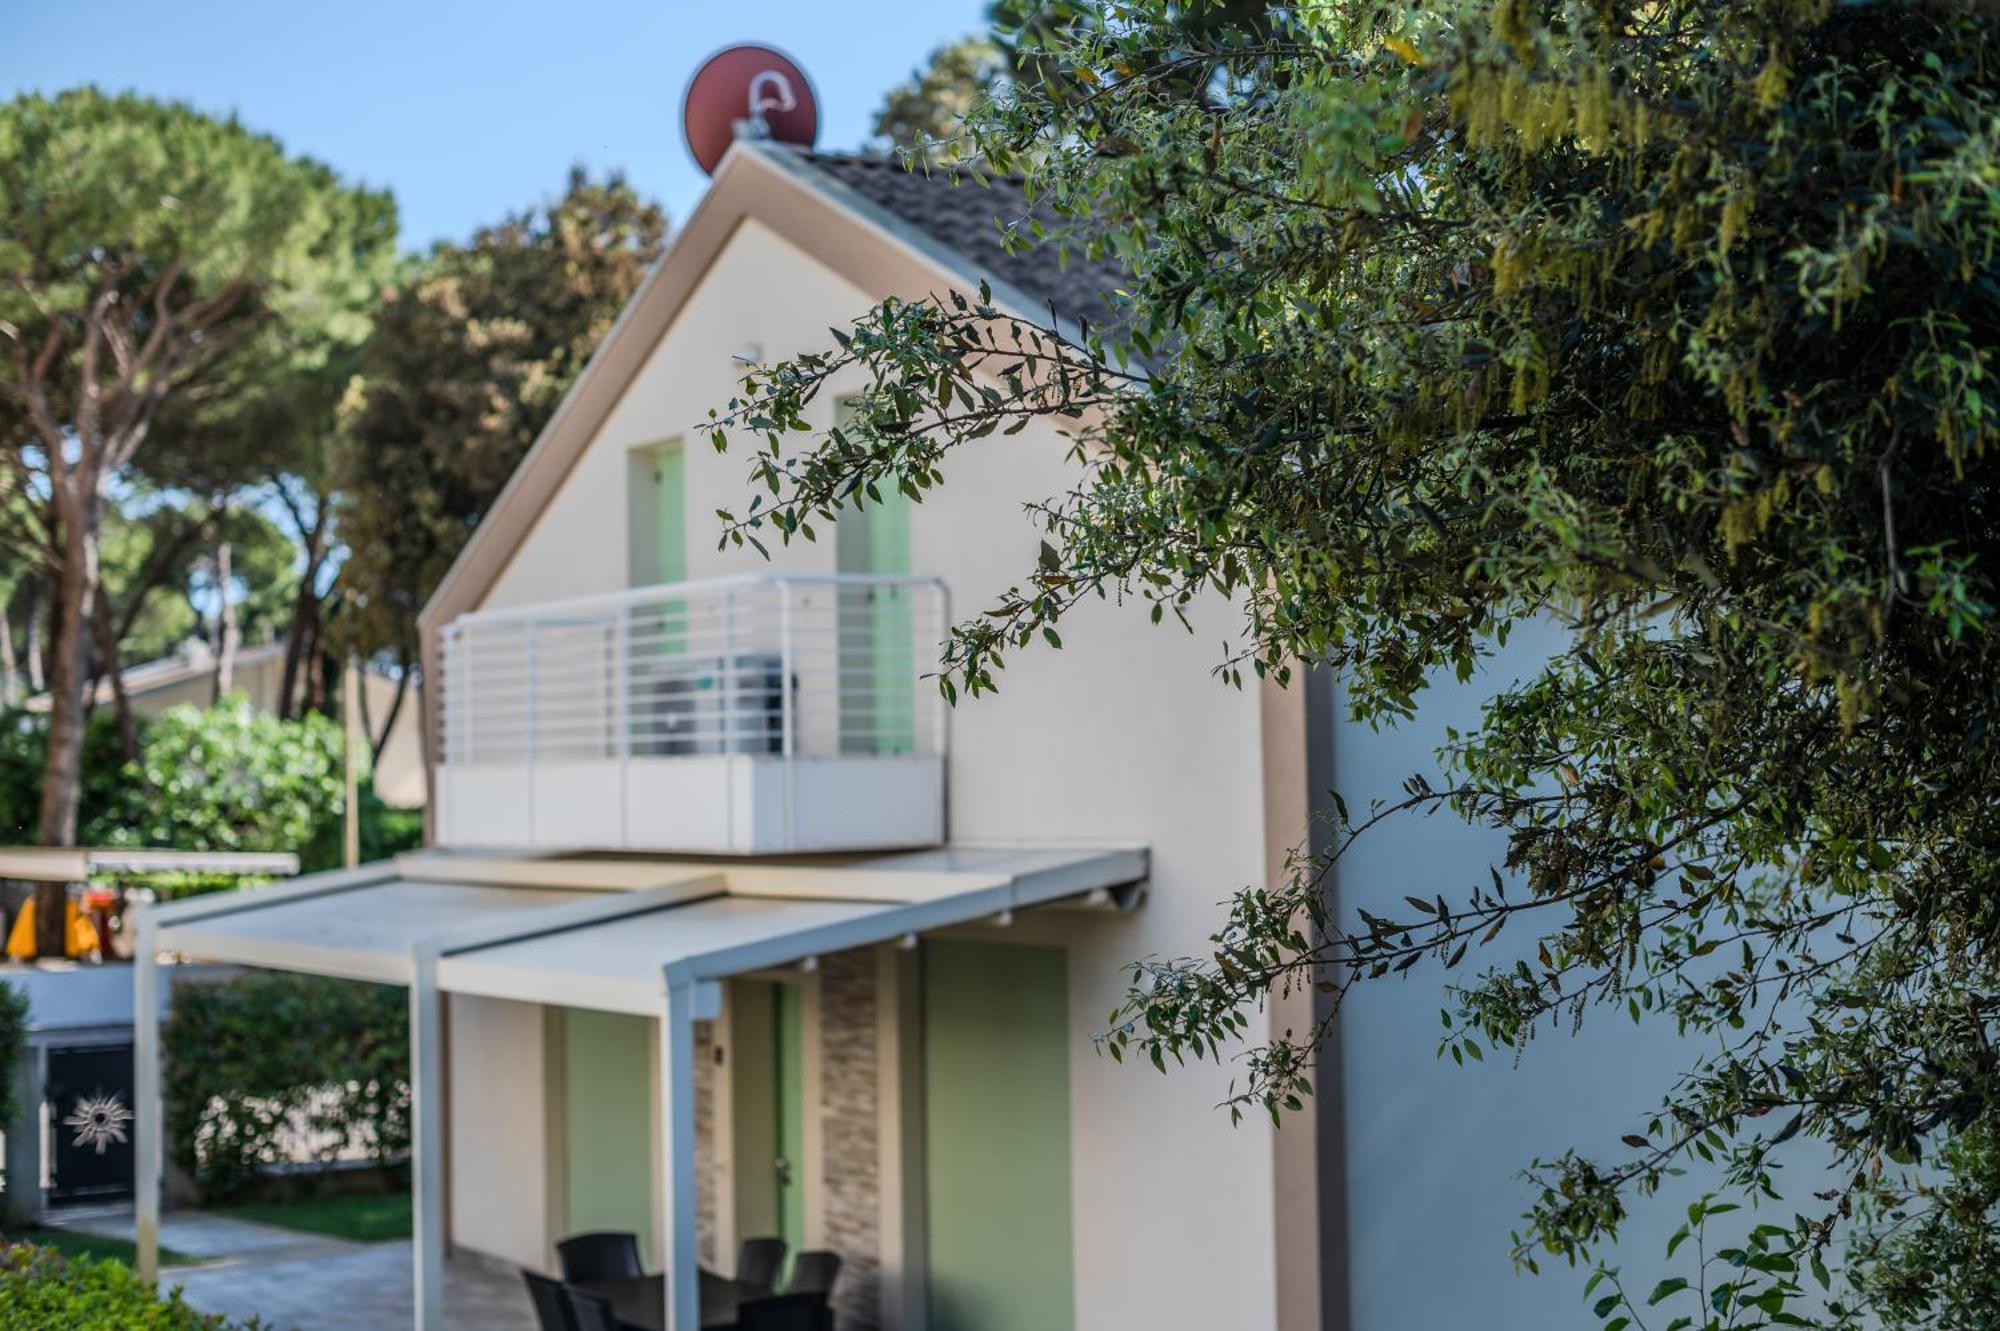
(13, 1030)
(245, 1054)
(41, 1291)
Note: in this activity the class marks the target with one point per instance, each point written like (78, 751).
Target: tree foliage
(163, 274)
(473, 349)
(1668, 323)
(13, 1035)
(229, 778)
(926, 114)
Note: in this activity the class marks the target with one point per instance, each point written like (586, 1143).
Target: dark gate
(90, 1122)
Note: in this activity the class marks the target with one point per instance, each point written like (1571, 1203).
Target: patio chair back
(814, 1273)
(783, 1312)
(551, 1305)
(758, 1263)
(590, 1258)
(591, 1312)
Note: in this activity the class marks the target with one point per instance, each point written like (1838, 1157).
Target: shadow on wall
(1434, 1150)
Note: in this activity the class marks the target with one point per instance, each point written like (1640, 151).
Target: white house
(732, 928)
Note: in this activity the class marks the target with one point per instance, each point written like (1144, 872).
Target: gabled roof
(986, 222)
(888, 230)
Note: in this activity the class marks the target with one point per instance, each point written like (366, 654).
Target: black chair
(814, 1273)
(551, 1304)
(590, 1258)
(591, 1312)
(783, 1312)
(758, 1263)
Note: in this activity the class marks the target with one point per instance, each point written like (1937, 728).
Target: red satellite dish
(756, 87)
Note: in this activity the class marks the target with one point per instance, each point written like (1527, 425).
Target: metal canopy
(604, 933)
(650, 937)
(363, 933)
(617, 966)
(77, 864)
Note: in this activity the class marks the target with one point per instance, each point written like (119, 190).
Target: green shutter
(607, 1130)
(878, 656)
(996, 1137)
(669, 514)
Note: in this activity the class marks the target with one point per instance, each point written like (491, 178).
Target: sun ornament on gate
(99, 1120)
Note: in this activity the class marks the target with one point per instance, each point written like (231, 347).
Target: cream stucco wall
(1123, 736)
(499, 1130)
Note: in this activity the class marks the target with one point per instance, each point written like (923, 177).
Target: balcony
(749, 715)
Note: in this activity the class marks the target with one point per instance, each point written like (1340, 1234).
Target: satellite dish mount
(747, 92)
(770, 90)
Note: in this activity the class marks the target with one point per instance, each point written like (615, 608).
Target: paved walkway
(308, 1282)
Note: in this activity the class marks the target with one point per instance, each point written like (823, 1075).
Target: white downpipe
(677, 1060)
(788, 707)
(728, 710)
(427, 1138)
(148, 1153)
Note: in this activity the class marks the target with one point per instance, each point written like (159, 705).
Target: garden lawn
(370, 1218)
(70, 1243)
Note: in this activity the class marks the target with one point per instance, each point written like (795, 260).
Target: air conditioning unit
(720, 704)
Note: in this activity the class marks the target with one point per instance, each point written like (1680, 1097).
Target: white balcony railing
(751, 713)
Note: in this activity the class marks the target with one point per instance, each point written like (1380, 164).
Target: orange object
(21, 938)
(79, 934)
(80, 937)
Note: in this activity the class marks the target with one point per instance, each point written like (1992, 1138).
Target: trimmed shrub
(267, 1068)
(228, 778)
(13, 1030)
(41, 1290)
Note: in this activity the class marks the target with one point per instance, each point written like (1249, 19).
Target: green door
(769, 1110)
(878, 658)
(607, 1130)
(789, 1126)
(996, 1137)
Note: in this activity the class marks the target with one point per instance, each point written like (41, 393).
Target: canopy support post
(148, 1153)
(677, 1138)
(427, 1138)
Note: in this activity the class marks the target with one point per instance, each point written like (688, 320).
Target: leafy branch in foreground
(1667, 324)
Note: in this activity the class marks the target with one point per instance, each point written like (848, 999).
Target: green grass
(364, 1219)
(72, 1244)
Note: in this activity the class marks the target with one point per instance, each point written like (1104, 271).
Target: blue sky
(468, 109)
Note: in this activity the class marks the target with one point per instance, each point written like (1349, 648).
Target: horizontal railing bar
(696, 588)
(827, 666)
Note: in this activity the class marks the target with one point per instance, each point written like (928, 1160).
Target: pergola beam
(427, 1140)
(148, 1125)
(677, 1138)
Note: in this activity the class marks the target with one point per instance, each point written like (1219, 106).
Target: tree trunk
(62, 776)
(226, 632)
(111, 668)
(10, 673)
(313, 662)
(305, 612)
(37, 674)
(75, 592)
